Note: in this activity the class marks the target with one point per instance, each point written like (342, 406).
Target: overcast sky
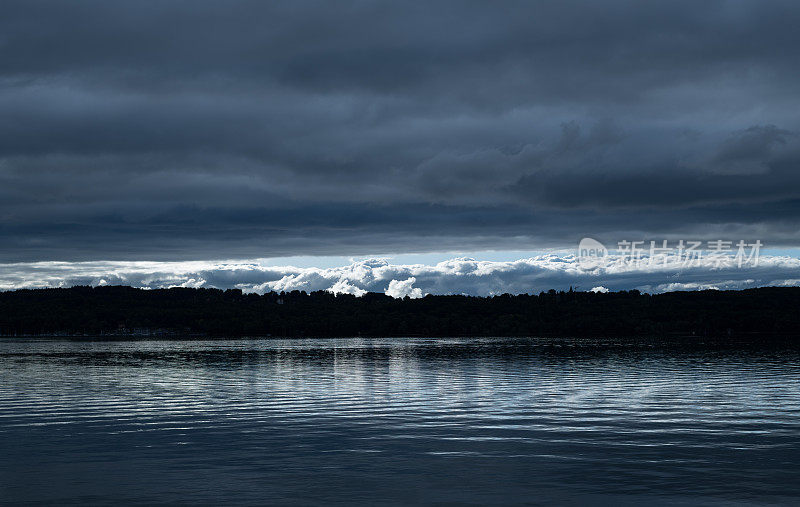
(196, 130)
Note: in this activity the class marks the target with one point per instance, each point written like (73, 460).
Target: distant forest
(211, 312)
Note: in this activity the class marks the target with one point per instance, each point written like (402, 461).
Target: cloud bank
(455, 276)
(203, 130)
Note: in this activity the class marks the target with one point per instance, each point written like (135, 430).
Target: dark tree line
(212, 312)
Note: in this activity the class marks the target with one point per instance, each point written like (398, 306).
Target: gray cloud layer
(199, 130)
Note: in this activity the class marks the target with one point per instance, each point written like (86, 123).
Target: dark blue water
(357, 421)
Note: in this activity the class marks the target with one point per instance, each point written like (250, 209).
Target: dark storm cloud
(176, 129)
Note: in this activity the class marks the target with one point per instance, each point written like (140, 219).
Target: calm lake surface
(387, 421)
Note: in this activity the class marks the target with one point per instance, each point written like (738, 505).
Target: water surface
(387, 421)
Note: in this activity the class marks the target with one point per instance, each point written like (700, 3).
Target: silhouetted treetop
(213, 312)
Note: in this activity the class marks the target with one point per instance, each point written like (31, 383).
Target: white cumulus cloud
(403, 288)
(345, 287)
(453, 276)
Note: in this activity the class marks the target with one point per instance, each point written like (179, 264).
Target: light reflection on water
(396, 421)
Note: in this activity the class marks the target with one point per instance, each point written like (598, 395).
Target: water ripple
(397, 421)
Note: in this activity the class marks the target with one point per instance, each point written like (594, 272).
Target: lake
(393, 421)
